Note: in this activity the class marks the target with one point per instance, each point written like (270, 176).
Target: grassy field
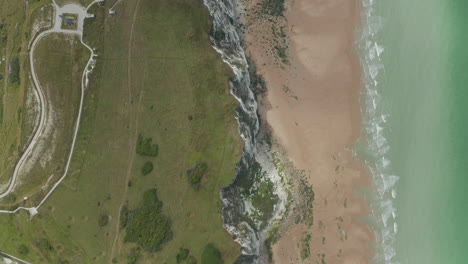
(83, 3)
(156, 76)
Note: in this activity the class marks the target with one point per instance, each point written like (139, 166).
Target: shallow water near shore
(416, 90)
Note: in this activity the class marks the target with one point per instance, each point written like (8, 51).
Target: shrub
(182, 255)
(147, 168)
(44, 245)
(14, 76)
(195, 174)
(145, 148)
(103, 220)
(147, 226)
(191, 260)
(134, 255)
(23, 249)
(211, 255)
(124, 216)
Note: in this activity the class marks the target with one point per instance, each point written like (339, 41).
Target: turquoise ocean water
(415, 59)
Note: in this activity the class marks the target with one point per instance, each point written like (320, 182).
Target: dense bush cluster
(147, 168)
(103, 220)
(211, 255)
(195, 174)
(146, 225)
(14, 73)
(134, 255)
(23, 249)
(146, 148)
(124, 216)
(44, 245)
(182, 255)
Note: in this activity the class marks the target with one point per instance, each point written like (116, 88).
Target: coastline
(312, 107)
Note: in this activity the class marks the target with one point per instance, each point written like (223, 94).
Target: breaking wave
(374, 124)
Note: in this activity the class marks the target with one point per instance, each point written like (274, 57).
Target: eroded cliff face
(257, 196)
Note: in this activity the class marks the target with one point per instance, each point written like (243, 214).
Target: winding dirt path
(133, 136)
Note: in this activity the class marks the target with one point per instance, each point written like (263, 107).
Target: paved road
(13, 259)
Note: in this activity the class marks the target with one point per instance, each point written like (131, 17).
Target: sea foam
(375, 119)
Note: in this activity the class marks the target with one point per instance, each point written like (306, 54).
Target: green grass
(172, 73)
(83, 3)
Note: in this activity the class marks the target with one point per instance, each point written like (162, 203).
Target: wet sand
(312, 107)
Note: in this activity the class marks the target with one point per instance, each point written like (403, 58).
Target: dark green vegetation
(124, 216)
(145, 147)
(182, 255)
(147, 168)
(267, 16)
(273, 8)
(23, 250)
(14, 71)
(260, 191)
(257, 82)
(103, 220)
(155, 68)
(133, 256)
(305, 251)
(195, 174)
(273, 235)
(211, 255)
(147, 226)
(191, 260)
(44, 245)
(305, 202)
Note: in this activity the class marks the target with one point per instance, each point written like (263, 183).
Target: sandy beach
(312, 107)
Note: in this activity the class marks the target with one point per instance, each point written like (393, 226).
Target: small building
(112, 12)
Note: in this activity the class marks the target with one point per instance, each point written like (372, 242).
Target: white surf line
(14, 258)
(82, 14)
